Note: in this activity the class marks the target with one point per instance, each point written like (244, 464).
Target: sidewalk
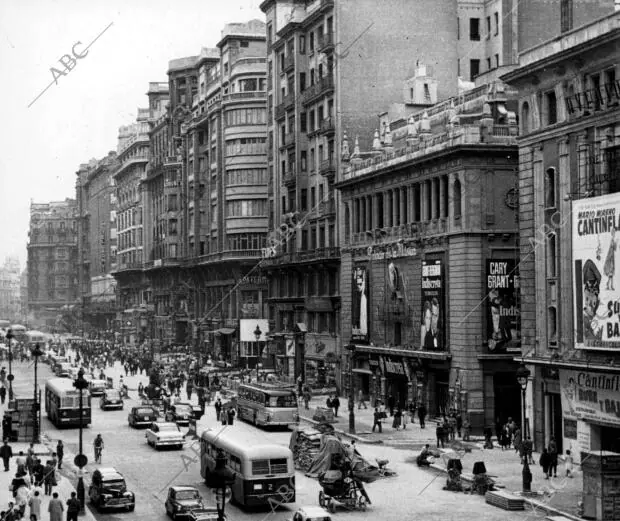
(557, 496)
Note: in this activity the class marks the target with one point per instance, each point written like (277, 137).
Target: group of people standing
(401, 416)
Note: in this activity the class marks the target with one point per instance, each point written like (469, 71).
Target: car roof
(109, 473)
(159, 424)
(178, 488)
(314, 511)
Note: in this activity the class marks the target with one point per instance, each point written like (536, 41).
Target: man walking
(73, 507)
(378, 418)
(360, 400)
(422, 415)
(6, 453)
(60, 452)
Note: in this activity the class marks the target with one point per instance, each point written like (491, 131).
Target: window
(172, 203)
(566, 15)
(303, 201)
(458, 28)
(525, 118)
(457, 199)
(488, 27)
(172, 227)
(304, 242)
(474, 29)
(496, 16)
(311, 42)
(302, 44)
(550, 255)
(302, 81)
(312, 198)
(246, 146)
(488, 64)
(474, 69)
(550, 180)
(552, 108)
(247, 208)
(244, 43)
(303, 122)
(247, 176)
(552, 326)
(496, 60)
(304, 161)
(254, 116)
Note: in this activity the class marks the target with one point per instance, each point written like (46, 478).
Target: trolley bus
(62, 403)
(264, 404)
(264, 471)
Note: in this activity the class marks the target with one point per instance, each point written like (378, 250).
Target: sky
(78, 116)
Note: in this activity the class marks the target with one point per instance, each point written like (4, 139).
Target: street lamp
(523, 374)
(351, 349)
(36, 352)
(257, 334)
(9, 337)
(81, 460)
(219, 479)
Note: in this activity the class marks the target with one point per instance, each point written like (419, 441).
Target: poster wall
(596, 283)
(503, 314)
(359, 305)
(590, 396)
(432, 330)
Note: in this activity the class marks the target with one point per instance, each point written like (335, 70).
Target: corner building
(569, 184)
(429, 278)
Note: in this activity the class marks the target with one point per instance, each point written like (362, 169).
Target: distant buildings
(10, 296)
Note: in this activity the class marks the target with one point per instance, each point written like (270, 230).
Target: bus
(264, 471)
(62, 403)
(264, 404)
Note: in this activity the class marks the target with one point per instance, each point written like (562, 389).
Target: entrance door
(610, 439)
(555, 419)
(507, 394)
(442, 390)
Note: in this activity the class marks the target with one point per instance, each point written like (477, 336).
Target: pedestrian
(2, 394)
(545, 461)
(553, 457)
(6, 453)
(527, 450)
(29, 463)
(20, 462)
(38, 472)
(568, 464)
(378, 419)
(459, 423)
(391, 403)
(516, 440)
(218, 407)
(336, 405)
(398, 416)
(55, 460)
(189, 389)
(422, 415)
(466, 428)
(446, 429)
(328, 402)
(223, 417)
(405, 418)
(412, 411)
(488, 437)
(55, 508)
(231, 416)
(35, 506)
(307, 398)
(360, 400)
(31, 450)
(452, 426)
(439, 434)
(60, 451)
(73, 507)
(49, 478)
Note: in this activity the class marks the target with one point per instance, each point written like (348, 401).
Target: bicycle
(98, 452)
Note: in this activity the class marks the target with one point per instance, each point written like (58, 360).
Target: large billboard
(596, 285)
(590, 396)
(432, 330)
(359, 305)
(503, 317)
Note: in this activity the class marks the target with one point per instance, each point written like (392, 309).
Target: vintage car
(161, 434)
(111, 399)
(181, 500)
(311, 513)
(108, 490)
(97, 387)
(142, 416)
(179, 413)
(204, 514)
(196, 409)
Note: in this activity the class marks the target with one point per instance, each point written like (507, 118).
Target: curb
(343, 433)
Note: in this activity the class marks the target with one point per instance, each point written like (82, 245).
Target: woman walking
(398, 416)
(545, 461)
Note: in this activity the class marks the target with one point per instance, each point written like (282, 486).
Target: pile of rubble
(306, 443)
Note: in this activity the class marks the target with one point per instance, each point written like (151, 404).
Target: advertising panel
(597, 301)
(503, 314)
(590, 396)
(359, 305)
(432, 331)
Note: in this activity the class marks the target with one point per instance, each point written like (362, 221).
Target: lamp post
(9, 337)
(523, 374)
(351, 349)
(81, 460)
(36, 352)
(219, 479)
(257, 334)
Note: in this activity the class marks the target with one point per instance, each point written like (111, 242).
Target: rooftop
(179, 64)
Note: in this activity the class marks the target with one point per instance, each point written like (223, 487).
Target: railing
(172, 160)
(323, 85)
(289, 178)
(303, 256)
(289, 63)
(328, 125)
(604, 96)
(327, 168)
(287, 102)
(326, 41)
(327, 208)
(254, 94)
(227, 254)
(289, 139)
(129, 266)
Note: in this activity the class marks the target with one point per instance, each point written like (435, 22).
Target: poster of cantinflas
(596, 231)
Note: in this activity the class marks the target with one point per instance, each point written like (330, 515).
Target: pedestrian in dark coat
(545, 461)
(378, 418)
(422, 415)
(391, 403)
(439, 434)
(218, 407)
(6, 453)
(398, 416)
(60, 452)
(336, 405)
(553, 457)
(231, 416)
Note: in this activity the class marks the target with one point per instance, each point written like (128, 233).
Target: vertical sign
(359, 304)
(503, 314)
(432, 331)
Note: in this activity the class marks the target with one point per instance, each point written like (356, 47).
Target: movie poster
(432, 330)
(359, 305)
(503, 313)
(596, 283)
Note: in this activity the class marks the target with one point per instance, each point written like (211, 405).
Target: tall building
(23, 297)
(97, 244)
(225, 179)
(10, 304)
(52, 260)
(569, 185)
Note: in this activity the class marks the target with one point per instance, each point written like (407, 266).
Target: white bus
(265, 472)
(62, 403)
(265, 404)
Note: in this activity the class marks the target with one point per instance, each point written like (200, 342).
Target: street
(149, 473)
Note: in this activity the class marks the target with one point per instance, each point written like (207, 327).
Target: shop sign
(590, 396)
(393, 368)
(392, 251)
(503, 316)
(597, 301)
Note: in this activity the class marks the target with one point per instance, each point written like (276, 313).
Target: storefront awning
(225, 331)
(408, 353)
(361, 371)
(568, 364)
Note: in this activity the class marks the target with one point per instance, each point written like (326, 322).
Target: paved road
(414, 493)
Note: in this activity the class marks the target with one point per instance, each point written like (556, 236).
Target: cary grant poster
(596, 224)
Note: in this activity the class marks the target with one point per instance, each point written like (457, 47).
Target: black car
(108, 490)
(196, 409)
(142, 416)
(179, 413)
(111, 399)
(181, 500)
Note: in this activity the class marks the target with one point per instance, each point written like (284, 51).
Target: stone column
(362, 215)
(395, 208)
(404, 207)
(368, 212)
(387, 209)
(442, 197)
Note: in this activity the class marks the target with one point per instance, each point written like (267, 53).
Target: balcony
(326, 42)
(289, 140)
(324, 86)
(242, 96)
(287, 102)
(289, 178)
(228, 255)
(327, 208)
(288, 64)
(171, 161)
(328, 126)
(128, 266)
(308, 256)
(585, 102)
(327, 168)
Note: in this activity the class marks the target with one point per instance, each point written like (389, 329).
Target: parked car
(161, 434)
(311, 513)
(109, 490)
(179, 413)
(142, 416)
(196, 409)
(111, 399)
(181, 500)
(97, 387)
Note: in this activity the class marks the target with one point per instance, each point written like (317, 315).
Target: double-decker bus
(264, 471)
(62, 403)
(265, 404)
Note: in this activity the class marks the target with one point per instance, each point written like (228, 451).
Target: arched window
(550, 255)
(525, 118)
(457, 199)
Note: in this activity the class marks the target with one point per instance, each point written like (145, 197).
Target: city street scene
(310, 260)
